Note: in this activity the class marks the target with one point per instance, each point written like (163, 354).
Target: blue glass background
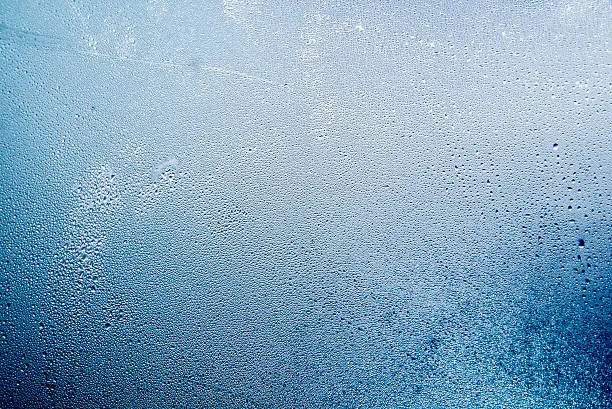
(306, 204)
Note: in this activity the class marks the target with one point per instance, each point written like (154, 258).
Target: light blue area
(249, 204)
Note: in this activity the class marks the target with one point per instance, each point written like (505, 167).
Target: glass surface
(305, 204)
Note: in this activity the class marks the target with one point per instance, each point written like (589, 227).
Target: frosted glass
(305, 204)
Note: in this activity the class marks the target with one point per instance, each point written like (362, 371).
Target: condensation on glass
(307, 204)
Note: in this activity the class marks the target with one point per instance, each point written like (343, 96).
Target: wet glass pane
(305, 204)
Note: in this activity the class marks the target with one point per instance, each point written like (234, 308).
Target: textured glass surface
(305, 204)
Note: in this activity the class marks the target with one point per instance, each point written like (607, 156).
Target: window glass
(305, 204)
